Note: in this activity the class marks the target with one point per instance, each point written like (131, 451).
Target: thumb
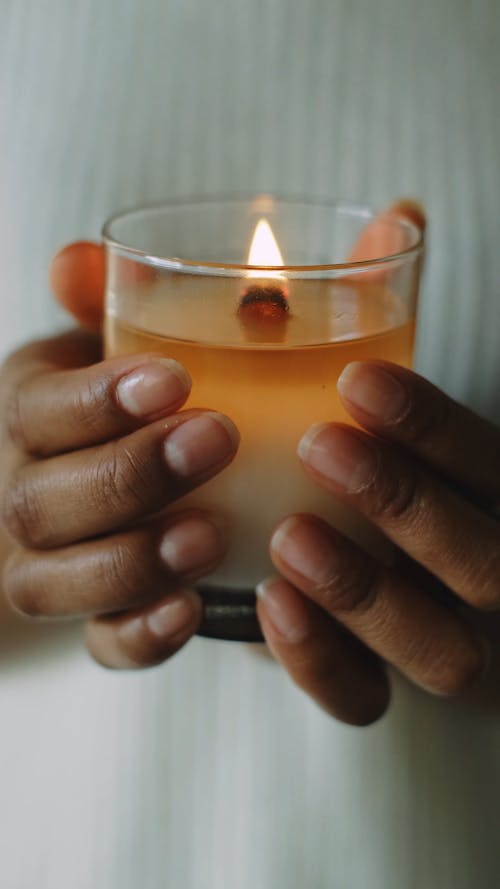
(76, 277)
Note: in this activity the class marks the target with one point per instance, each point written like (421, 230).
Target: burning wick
(263, 310)
(266, 301)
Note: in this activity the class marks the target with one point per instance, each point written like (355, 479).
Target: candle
(264, 310)
(264, 346)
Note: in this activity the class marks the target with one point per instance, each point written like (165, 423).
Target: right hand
(102, 451)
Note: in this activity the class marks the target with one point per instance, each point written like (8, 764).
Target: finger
(442, 531)
(405, 408)
(381, 237)
(77, 348)
(115, 573)
(387, 611)
(77, 275)
(87, 493)
(341, 675)
(51, 411)
(146, 637)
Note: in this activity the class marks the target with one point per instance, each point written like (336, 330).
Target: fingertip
(411, 209)
(375, 706)
(148, 637)
(335, 670)
(285, 608)
(176, 617)
(76, 275)
(152, 388)
(377, 391)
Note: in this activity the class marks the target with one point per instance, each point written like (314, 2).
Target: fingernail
(374, 391)
(201, 444)
(192, 546)
(339, 455)
(153, 388)
(174, 615)
(284, 609)
(304, 547)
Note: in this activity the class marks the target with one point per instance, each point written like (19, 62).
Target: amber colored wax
(273, 392)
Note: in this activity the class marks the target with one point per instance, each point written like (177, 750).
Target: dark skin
(100, 448)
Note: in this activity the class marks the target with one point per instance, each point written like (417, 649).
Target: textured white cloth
(214, 772)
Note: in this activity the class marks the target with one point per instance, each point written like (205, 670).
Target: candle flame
(264, 251)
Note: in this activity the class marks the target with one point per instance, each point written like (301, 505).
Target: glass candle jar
(264, 331)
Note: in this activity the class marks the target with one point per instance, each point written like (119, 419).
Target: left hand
(427, 472)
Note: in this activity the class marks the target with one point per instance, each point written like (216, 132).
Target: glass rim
(206, 267)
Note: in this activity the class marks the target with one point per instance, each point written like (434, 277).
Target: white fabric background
(214, 772)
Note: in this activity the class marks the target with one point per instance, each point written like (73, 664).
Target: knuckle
(123, 575)
(123, 480)
(398, 496)
(485, 583)
(22, 512)
(14, 420)
(92, 405)
(445, 669)
(454, 674)
(426, 418)
(352, 589)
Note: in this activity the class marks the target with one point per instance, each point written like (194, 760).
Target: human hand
(426, 472)
(102, 451)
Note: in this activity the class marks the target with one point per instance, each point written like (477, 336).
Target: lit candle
(264, 345)
(264, 307)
